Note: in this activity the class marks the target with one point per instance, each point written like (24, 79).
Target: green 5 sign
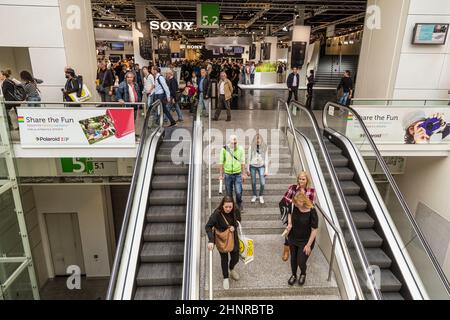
(77, 165)
(208, 15)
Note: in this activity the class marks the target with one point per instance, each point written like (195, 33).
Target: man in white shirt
(162, 93)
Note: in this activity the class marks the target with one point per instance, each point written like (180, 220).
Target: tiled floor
(91, 289)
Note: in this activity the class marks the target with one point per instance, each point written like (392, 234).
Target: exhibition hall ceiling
(237, 17)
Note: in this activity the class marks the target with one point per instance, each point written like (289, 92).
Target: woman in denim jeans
(258, 162)
(30, 85)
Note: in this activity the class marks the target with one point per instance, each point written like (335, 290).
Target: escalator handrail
(341, 197)
(191, 248)
(126, 218)
(394, 186)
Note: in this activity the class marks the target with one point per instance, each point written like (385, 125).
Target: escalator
(156, 255)
(389, 253)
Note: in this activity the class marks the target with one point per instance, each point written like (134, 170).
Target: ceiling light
(285, 29)
(227, 16)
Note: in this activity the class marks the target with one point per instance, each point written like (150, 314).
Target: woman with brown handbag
(221, 229)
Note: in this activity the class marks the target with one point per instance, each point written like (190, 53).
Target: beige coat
(228, 89)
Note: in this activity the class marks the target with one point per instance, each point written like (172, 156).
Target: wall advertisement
(76, 128)
(402, 125)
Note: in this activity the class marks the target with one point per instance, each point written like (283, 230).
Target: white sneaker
(254, 199)
(234, 275)
(226, 284)
(261, 200)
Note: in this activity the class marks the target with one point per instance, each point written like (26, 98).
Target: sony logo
(167, 25)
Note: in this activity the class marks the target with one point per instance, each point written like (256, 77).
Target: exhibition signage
(400, 125)
(208, 15)
(169, 25)
(76, 128)
(87, 166)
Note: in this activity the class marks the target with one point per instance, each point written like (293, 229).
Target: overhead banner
(76, 128)
(401, 125)
(208, 15)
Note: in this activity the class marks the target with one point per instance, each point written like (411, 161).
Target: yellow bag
(85, 95)
(246, 247)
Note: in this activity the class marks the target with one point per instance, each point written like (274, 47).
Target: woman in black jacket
(229, 211)
(303, 225)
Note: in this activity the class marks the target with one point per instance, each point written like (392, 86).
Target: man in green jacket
(232, 169)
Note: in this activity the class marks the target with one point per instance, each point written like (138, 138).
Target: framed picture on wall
(430, 33)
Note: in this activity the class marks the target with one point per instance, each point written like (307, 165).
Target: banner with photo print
(76, 128)
(401, 125)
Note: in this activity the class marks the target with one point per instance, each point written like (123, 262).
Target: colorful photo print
(98, 128)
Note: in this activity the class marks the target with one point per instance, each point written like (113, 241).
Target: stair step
(262, 227)
(174, 182)
(369, 238)
(392, 296)
(158, 293)
(160, 274)
(361, 219)
(168, 168)
(166, 214)
(378, 257)
(350, 188)
(168, 197)
(162, 252)
(174, 231)
(389, 282)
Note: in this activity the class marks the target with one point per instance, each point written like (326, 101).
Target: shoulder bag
(224, 240)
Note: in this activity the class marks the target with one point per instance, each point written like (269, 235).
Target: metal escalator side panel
(347, 272)
(128, 266)
(409, 272)
(191, 266)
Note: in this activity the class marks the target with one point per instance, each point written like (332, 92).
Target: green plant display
(267, 67)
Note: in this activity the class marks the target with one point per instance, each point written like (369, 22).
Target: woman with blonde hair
(304, 186)
(303, 224)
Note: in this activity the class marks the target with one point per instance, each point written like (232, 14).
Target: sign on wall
(401, 125)
(208, 15)
(86, 166)
(76, 128)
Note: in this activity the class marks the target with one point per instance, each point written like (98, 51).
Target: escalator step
(344, 174)
(350, 188)
(168, 168)
(160, 274)
(378, 257)
(389, 282)
(164, 232)
(162, 252)
(361, 219)
(392, 296)
(369, 238)
(339, 160)
(356, 203)
(158, 293)
(179, 182)
(167, 197)
(167, 157)
(166, 213)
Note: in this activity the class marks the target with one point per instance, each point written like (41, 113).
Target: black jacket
(290, 80)
(216, 221)
(8, 93)
(173, 87)
(206, 87)
(346, 84)
(106, 78)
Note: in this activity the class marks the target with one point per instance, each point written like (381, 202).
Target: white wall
(426, 180)
(423, 71)
(89, 203)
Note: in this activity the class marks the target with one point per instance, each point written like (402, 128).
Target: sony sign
(167, 25)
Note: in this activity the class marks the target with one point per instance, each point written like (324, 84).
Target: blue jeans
(35, 99)
(162, 98)
(202, 102)
(234, 182)
(262, 179)
(177, 109)
(344, 98)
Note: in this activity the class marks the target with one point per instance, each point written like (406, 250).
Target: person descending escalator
(302, 229)
(302, 186)
(221, 229)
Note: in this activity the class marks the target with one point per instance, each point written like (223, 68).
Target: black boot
(292, 280)
(302, 279)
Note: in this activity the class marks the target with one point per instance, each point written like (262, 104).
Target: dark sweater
(173, 87)
(346, 84)
(216, 220)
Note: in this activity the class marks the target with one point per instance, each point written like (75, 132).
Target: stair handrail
(375, 292)
(126, 219)
(394, 186)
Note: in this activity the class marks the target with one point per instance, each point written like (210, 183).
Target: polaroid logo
(52, 139)
(167, 25)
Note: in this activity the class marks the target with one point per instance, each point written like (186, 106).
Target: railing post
(333, 248)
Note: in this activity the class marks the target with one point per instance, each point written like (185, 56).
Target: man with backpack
(73, 84)
(105, 82)
(232, 169)
(12, 91)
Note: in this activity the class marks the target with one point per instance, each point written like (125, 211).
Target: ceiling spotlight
(110, 25)
(285, 29)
